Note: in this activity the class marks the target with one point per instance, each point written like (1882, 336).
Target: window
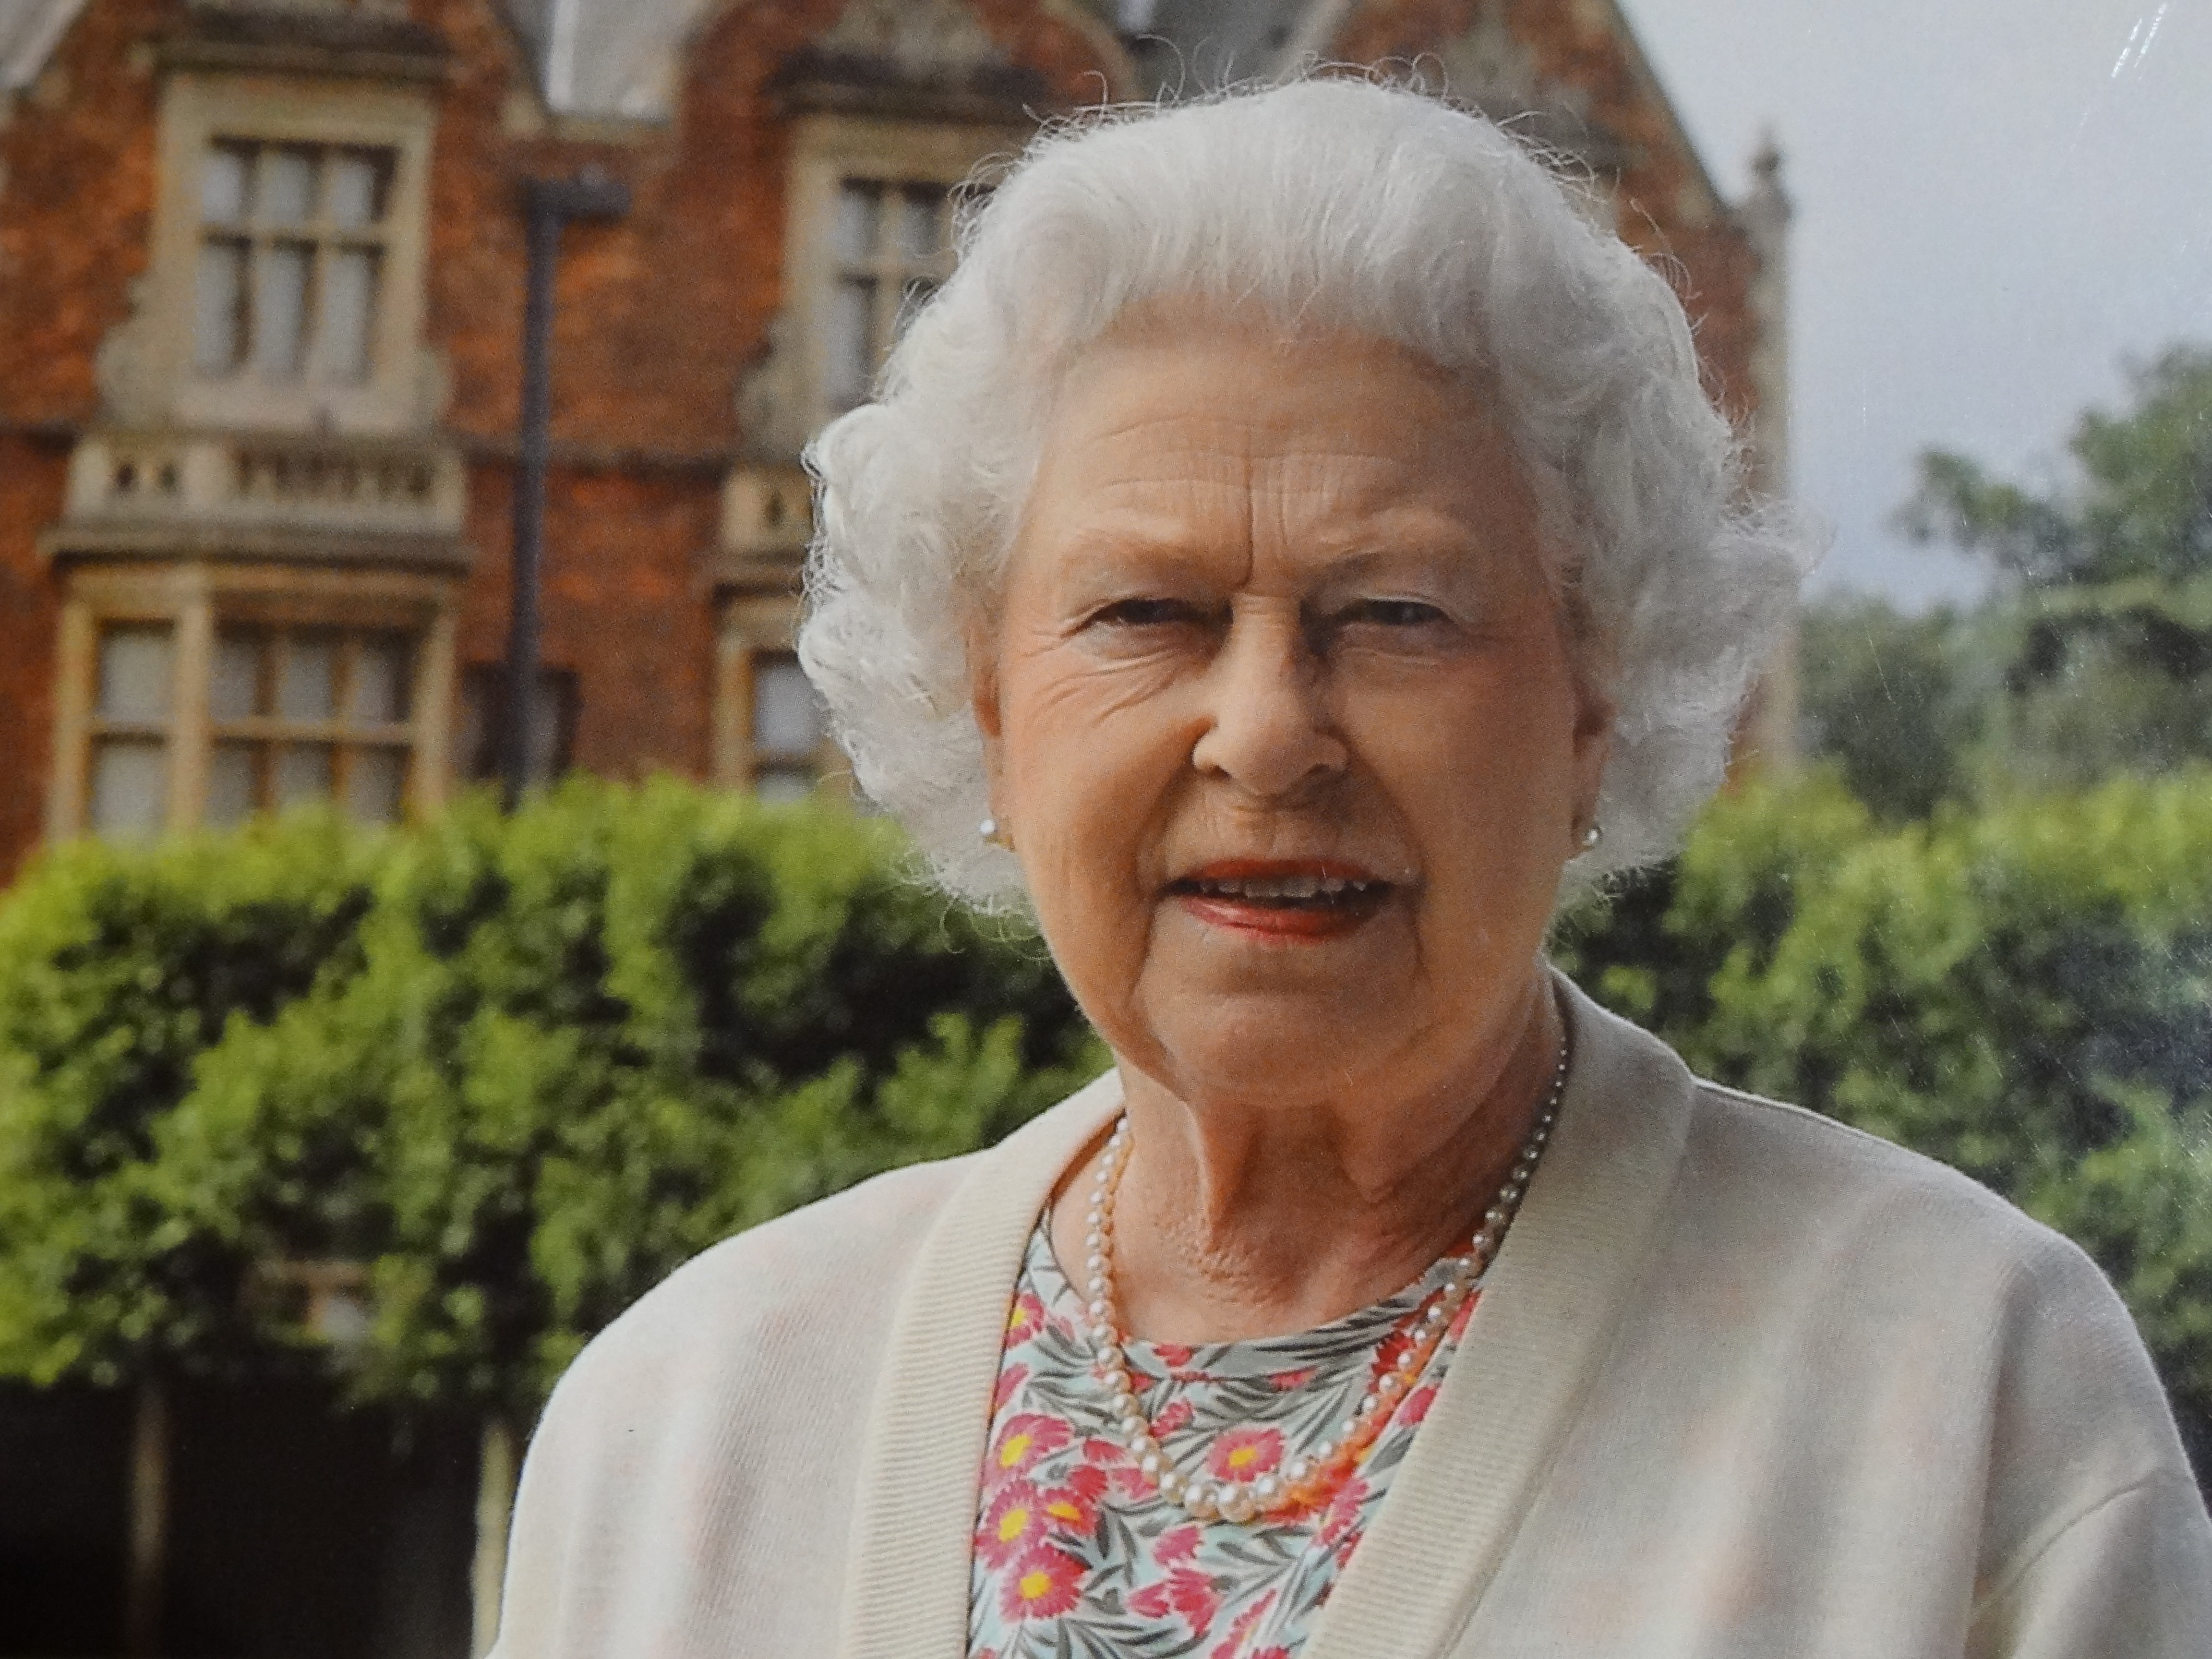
(771, 731)
(190, 694)
(788, 730)
(868, 238)
(132, 710)
(291, 261)
(290, 241)
(300, 714)
(891, 248)
(484, 720)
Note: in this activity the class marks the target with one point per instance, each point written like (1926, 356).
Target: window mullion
(190, 730)
(430, 714)
(342, 732)
(77, 664)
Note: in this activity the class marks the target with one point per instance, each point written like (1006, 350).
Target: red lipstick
(1288, 901)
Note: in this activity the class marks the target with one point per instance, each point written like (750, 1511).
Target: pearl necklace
(1306, 1476)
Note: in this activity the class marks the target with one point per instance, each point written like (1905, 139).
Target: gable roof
(619, 57)
(1186, 46)
(29, 31)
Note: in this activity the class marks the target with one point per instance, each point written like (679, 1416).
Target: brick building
(261, 277)
(261, 268)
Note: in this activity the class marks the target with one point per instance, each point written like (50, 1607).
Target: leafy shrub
(521, 1066)
(118, 969)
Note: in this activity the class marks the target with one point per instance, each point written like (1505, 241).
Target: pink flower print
(1342, 1515)
(1245, 1454)
(1242, 1626)
(1044, 1584)
(1128, 1482)
(1173, 1355)
(1283, 1381)
(1026, 1321)
(1010, 1384)
(1014, 1522)
(1466, 1312)
(1392, 1351)
(1026, 1437)
(1174, 1416)
(1176, 1544)
(1186, 1594)
(1073, 1509)
(1095, 1450)
(1417, 1404)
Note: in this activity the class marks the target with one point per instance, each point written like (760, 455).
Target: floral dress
(1076, 1555)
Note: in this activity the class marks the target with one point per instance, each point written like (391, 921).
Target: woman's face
(1280, 715)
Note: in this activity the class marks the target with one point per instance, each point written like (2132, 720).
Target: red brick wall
(30, 480)
(1667, 213)
(659, 318)
(75, 210)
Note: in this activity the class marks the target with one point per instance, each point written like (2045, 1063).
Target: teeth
(1285, 887)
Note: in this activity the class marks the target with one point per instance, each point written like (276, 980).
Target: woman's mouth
(1286, 901)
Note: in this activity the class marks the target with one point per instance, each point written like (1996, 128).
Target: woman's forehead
(1168, 444)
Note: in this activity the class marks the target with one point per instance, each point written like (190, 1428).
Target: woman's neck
(1233, 1222)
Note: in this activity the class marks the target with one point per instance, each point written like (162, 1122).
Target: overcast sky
(1998, 201)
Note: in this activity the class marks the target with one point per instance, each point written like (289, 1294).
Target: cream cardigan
(1742, 1382)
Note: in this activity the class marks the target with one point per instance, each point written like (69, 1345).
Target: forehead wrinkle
(1309, 521)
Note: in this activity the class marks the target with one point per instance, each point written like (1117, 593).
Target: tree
(118, 969)
(503, 1071)
(2102, 625)
(1896, 702)
(2140, 511)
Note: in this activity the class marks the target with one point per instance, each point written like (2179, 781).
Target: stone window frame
(200, 109)
(827, 150)
(758, 629)
(195, 599)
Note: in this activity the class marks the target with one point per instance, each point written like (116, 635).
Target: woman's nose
(1271, 733)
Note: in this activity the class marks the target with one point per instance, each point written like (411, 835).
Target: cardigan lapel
(914, 1521)
(1535, 1341)
(1537, 1338)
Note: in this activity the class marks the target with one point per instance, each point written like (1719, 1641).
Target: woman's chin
(1281, 1048)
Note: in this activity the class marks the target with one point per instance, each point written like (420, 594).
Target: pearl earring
(990, 831)
(1592, 834)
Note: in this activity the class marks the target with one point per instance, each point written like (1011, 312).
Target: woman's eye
(1393, 613)
(1145, 613)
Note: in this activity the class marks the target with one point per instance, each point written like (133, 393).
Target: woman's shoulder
(1912, 1251)
(1828, 1200)
(1829, 1181)
(1799, 1183)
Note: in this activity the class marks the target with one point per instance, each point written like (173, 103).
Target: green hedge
(2024, 993)
(521, 1066)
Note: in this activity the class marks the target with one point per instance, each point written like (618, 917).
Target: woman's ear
(1593, 663)
(1593, 746)
(983, 701)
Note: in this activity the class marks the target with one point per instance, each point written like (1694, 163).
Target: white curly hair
(1332, 203)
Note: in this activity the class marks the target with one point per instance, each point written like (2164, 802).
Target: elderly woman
(1292, 551)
